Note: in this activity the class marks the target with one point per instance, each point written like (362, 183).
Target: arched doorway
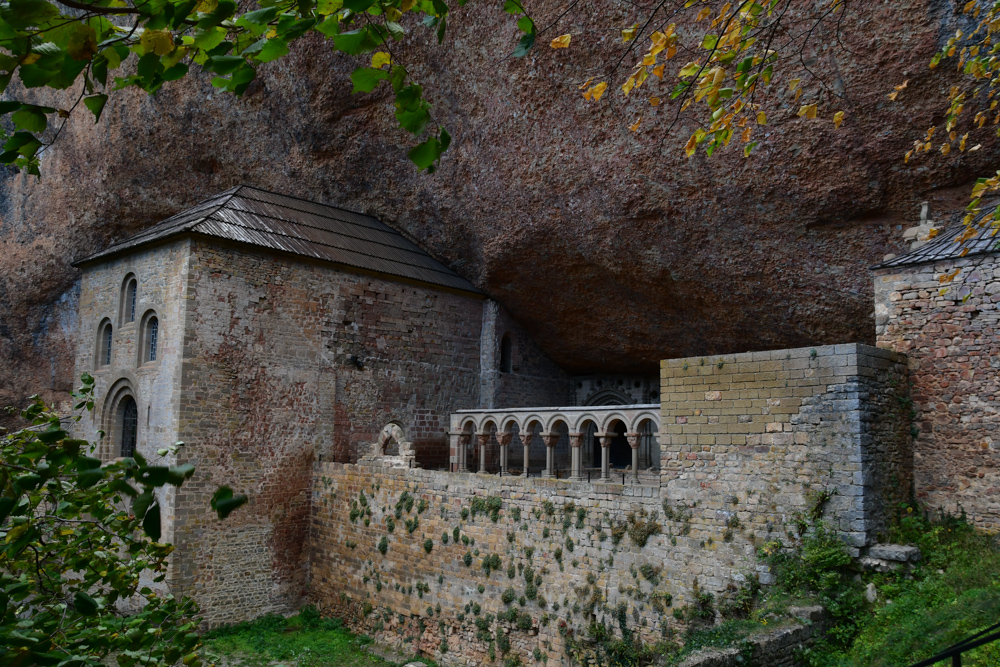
(620, 455)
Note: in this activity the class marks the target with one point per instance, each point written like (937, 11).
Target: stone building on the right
(940, 305)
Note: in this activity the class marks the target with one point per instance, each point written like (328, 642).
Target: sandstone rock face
(611, 247)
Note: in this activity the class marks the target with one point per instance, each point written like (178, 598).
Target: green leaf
(224, 502)
(209, 39)
(329, 27)
(272, 50)
(358, 6)
(88, 478)
(425, 154)
(31, 120)
(21, 14)
(445, 140)
(6, 505)
(177, 474)
(327, 7)
(513, 7)
(356, 41)
(96, 105)
(178, 71)
(709, 42)
(524, 46)
(224, 64)
(151, 523)
(224, 10)
(7, 106)
(525, 24)
(142, 503)
(365, 79)
(85, 604)
(259, 18)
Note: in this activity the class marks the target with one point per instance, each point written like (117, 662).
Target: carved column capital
(551, 439)
(576, 439)
(505, 438)
(634, 439)
(606, 438)
(484, 438)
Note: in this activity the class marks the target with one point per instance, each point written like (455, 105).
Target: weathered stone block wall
(287, 362)
(952, 341)
(384, 594)
(765, 436)
(160, 278)
(534, 378)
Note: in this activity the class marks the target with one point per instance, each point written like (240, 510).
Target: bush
(428, 545)
(508, 595)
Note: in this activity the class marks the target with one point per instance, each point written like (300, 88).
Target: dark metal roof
(946, 244)
(279, 222)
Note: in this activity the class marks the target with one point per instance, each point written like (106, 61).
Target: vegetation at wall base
(81, 563)
(305, 639)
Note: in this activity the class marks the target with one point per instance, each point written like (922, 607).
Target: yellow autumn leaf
(31, 59)
(160, 42)
(648, 59)
(704, 13)
(560, 42)
(838, 118)
(628, 85)
(658, 72)
(654, 101)
(761, 118)
(585, 83)
(692, 145)
(407, 5)
(635, 126)
(807, 110)
(746, 134)
(794, 83)
(380, 58)
(628, 34)
(906, 158)
(945, 149)
(671, 51)
(594, 93)
(902, 85)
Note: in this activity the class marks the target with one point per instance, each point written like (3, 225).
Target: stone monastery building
(319, 361)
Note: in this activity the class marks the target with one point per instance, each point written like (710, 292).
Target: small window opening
(154, 327)
(130, 303)
(128, 426)
(506, 355)
(104, 355)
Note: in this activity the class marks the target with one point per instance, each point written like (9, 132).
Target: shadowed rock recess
(610, 247)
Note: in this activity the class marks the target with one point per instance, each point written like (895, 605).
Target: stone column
(576, 455)
(606, 439)
(526, 441)
(633, 442)
(551, 440)
(484, 439)
(463, 452)
(504, 440)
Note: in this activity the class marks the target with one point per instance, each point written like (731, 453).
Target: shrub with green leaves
(76, 537)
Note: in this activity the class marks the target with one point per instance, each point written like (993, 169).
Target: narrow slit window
(106, 345)
(132, 289)
(506, 354)
(154, 330)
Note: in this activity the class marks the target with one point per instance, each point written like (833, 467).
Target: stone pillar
(463, 451)
(484, 439)
(504, 440)
(526, 441)
(551, 440)
(576, 455)
(633, 441)
(606, 439)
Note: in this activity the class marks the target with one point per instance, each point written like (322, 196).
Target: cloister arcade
(585, 442)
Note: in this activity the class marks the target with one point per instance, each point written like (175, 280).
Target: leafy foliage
(77, 538)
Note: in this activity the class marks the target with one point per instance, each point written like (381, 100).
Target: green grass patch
(305, 639)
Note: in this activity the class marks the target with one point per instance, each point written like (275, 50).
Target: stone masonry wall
(574, 537)
(952, 341)
(159, 274)
(288, 362)
(759, 439)
(535, 379)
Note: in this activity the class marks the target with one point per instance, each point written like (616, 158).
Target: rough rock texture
(611, 247)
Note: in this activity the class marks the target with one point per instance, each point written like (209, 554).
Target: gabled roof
(269, 220)
(946, 244)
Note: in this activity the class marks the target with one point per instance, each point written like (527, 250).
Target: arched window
(152, 330)
(149, 343)
(105, 338)
(506, 354)
(129, 300)
(128, 426)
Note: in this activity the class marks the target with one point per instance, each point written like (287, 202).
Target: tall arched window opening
(506, 354)
(130, 295)
(149, 340)
(128, 426)
(105, 338)
(153, 330)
